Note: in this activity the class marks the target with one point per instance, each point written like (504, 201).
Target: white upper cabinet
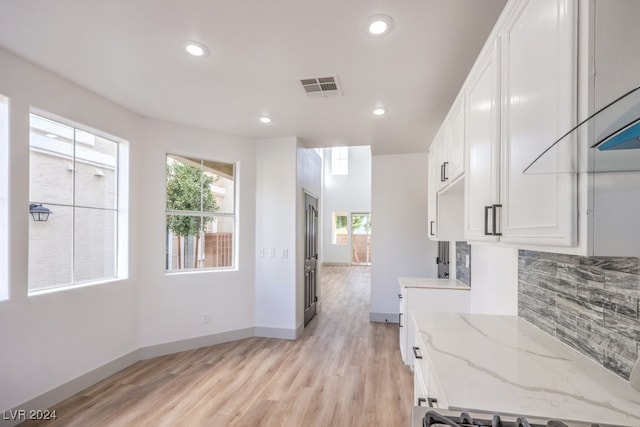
(454, 167)
(482, 192)
(432, 192)
(539, 93)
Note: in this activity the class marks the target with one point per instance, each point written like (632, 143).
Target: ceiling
(131, 52)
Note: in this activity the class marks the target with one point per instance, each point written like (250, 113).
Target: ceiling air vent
(321, 86)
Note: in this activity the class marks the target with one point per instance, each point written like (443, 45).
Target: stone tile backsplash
(463, 273)
(589, 303)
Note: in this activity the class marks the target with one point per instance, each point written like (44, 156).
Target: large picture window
(200, 214)
(73, 205)
(4, 170)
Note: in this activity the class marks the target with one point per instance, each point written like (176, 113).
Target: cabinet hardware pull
(444, 168)
(494, 218)
(431, 233)
(486, 220)
(421, 400)
(400, 320)
(399, 296)
(415, 353)
(442, 173)
(432, 401)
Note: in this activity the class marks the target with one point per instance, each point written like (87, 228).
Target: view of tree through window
(200, 216)
(74, 176)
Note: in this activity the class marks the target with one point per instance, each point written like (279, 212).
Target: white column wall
(275, 275)
(400, 245)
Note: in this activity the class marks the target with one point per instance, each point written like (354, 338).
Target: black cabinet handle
(422, 400)
(444, 171)
(399, 296)
(400, 320)
(494, 213)
(431, 401)
(415, 353)
(486, 220)
(431, 228)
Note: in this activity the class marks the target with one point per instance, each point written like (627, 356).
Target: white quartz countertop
(505, 364)
(432, 282)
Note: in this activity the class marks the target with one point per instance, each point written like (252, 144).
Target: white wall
(344, 193)
(275, 276)
(494, 280)
(51, 339)
(400, 246)
(172, 305)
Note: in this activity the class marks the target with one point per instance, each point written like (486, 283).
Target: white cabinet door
(454, 166)
(539, 98)
(432, 194)
(483, 148)
(440, 149)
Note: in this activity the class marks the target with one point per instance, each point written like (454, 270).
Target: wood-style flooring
(343, 371)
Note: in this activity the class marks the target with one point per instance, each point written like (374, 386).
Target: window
(200, 216)
(339, 230)
(74, 173)
(340, 161)
(4, 169)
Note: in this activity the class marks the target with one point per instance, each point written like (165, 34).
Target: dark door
(310, 257)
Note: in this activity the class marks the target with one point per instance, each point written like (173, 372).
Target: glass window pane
(50, 245)
(95, 174)
(218, 243)
(94, 245)
(184, 185)
(50, 162)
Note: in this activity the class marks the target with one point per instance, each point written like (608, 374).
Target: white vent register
(321, 86)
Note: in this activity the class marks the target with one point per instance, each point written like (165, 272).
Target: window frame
(120, 211)
(4, 197)
(334, 228)
(210, 214)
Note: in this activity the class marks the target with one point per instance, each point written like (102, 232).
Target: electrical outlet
(206, 318)
(466, 261)
(261, 252)
(285, 253)
(272, 252)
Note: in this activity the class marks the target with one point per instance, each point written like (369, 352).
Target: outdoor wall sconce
(39, 212)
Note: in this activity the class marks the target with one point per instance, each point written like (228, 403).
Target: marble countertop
(432, 282)
(505, 364)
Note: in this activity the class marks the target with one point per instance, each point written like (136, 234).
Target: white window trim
(4, 196)
(234, 215)
(122, 203)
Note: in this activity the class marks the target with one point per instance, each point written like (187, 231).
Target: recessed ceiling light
(379, 25)
(265, 119)
(196, 48)
(380, 111)
(51, 135)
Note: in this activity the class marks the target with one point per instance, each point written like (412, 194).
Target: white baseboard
(280, 333)
(384, 317)
(193, 343)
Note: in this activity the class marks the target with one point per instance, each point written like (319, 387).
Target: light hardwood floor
(343, 371)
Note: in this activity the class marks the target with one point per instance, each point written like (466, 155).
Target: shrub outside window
(200, 214)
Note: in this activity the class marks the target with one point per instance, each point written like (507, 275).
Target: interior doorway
(361, 238)
(310, 257)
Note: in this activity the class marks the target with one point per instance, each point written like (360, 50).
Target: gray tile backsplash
(463, 273)
(589, 303)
